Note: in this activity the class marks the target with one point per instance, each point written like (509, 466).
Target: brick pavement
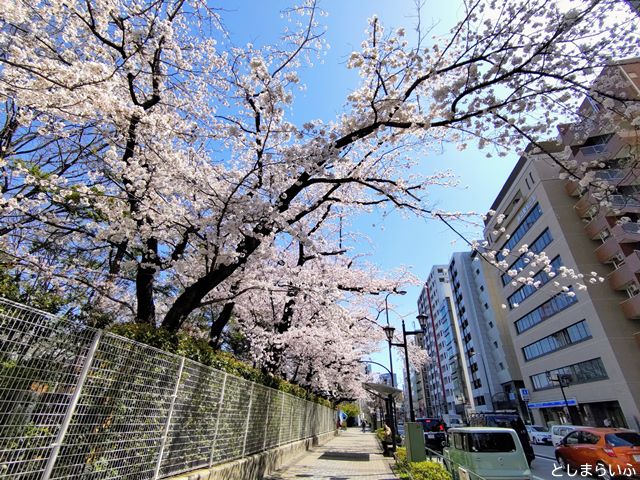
(351, 455)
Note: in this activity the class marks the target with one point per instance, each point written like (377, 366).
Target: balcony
(631, 309)
(585, 205)
(600, 151)
(620, 204)
(608, 250)
(595, 226)
(618, 176)
(626, 273)
(626, 232)
(573, 187)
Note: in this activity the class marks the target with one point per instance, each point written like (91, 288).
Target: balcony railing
(611, 175)
(593, 149)
(624, 203)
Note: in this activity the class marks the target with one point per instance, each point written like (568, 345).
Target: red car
(606, 453)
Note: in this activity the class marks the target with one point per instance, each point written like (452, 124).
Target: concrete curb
(255, 467)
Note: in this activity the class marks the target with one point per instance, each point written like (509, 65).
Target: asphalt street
(544, 465)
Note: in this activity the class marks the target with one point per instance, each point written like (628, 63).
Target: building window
(583, 372)
(521, 230)
(526, 291)
(536, 247)
(596, 144)
(576, 333)
(547, 310)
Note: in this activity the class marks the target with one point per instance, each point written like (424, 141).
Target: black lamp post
(564, 381)
(386, 311)
(388, 330)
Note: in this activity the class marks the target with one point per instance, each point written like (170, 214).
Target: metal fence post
(291, 420)
(215, 432)
(266, 424)
(163, 440)
(246, 426)
(55, 451)
(281, 418)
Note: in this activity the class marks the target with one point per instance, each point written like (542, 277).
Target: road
(543, 468)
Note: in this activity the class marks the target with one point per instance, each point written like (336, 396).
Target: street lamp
(388, 330)
(486, 376)
(386, 310)
(563, 381)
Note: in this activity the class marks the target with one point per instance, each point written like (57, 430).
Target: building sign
(572, 402)
(524, 394)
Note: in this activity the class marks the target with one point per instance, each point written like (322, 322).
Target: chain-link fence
(76, 402)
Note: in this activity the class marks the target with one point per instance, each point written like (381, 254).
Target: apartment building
(445, 378)
(578, 345)
(493, 373)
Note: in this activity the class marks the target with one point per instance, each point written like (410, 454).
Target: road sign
(524, 394)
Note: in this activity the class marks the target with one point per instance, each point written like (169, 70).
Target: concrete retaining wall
(255, 467)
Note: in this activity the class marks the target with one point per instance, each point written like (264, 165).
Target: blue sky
(395, 240)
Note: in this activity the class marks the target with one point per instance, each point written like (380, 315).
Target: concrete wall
(255, 467)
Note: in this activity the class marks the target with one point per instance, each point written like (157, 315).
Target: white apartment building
(494, 375)
(445, 378)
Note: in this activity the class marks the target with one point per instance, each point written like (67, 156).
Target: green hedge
(199, 350)
(428, 471)
(419, 470)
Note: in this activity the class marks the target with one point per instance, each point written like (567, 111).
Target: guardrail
(81, 403)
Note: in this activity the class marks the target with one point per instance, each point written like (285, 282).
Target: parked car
(505, 420)
(558, 432)
(434, 432)
(453, 420)
(539, 435)
(610, 452)
(490, 453)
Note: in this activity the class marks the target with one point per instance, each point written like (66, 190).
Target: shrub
(401, 455)
(380, 434)
(429, 471)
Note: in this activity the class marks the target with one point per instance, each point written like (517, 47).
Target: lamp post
(386, 311)
(486, 376)
(393, 383)
(388, 330)
(564, 381)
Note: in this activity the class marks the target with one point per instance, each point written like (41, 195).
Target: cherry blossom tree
(151, 164)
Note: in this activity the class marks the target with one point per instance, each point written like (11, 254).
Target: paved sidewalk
(350, 455)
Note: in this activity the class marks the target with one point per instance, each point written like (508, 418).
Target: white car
(539, 435)
(558, 432)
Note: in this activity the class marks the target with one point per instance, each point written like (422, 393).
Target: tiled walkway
(351, 455)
